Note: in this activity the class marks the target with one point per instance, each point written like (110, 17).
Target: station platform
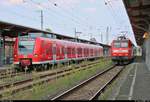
(137, 83)
(5, 67)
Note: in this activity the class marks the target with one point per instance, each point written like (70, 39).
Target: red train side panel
(42, 51)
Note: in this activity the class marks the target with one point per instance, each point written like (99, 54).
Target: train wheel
(45, 67)
(118, 63)
(39, 67)
(35, 67)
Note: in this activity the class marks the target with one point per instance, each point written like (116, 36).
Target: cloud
(91, 10)
(16, 2)
(11, 2)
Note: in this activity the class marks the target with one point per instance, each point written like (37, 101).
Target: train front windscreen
(27, 42)
(26, 45)
(120, 44)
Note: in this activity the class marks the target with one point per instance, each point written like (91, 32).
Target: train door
(54, 52)
(65, 51)
(49, 51)
(62, 51)
(60, 47)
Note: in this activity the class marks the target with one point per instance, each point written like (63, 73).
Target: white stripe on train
(56, 61)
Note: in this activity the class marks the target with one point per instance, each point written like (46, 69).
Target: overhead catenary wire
(51, 12)
(77, 22)
(60, 13)
(70, 13)
(116, 15)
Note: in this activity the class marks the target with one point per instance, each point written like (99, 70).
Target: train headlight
(15, 55)
(115, 51)
(35, 55)
(125, 51)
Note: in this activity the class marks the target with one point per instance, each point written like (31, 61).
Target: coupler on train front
(121, 60)
(24, 65)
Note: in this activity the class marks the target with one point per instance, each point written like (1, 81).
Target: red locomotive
(36, 52)
(122, 50)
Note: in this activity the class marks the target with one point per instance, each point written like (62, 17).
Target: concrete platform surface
(5, 67)
(137, 84)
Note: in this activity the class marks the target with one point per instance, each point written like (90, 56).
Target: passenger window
(60, 50)
(63, 50)
(73, 50)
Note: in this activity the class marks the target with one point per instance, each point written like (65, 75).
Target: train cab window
(124, 44)
(121, 44)
(116, 44)
(26, 47)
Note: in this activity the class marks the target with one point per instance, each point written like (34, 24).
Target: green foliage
(48, 29)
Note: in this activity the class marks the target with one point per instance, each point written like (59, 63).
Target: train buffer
(136, 85)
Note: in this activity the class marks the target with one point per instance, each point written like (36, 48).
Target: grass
(10, 79)
(40, 91)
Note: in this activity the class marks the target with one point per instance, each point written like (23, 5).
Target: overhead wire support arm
(41, 19)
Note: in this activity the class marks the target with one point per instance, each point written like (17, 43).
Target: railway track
(24, 75)
(91, 88)
(10, 72)
(6, 71)
(28, 83)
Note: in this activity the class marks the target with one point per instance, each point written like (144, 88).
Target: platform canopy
(12, 30)
(139, 15)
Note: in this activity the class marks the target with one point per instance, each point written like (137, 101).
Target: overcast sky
(91, 17)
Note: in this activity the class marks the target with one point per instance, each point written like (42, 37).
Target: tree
(49, 30)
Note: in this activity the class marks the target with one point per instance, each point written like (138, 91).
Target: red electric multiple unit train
(122, 50)
(40, 51)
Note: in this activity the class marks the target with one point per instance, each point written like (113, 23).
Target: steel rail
(45, 75)
(48, 79)
(81, 84)
(102, 89)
